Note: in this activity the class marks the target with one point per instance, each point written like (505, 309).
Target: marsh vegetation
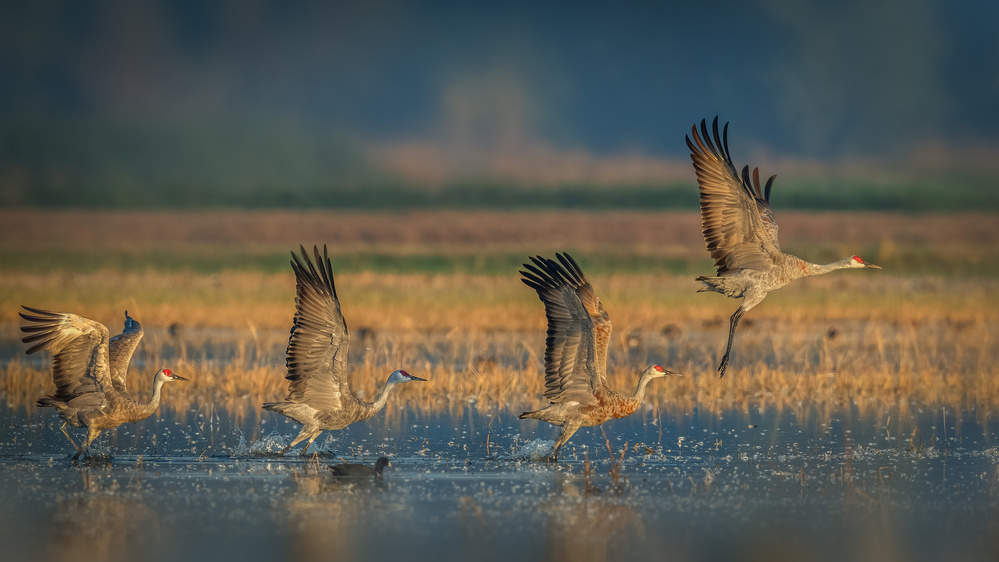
(872, 395)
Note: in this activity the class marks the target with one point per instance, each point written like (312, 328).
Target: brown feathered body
(576, 345)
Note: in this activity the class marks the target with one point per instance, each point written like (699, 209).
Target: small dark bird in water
(361, 470)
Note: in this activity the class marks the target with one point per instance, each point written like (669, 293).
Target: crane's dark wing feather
(121, 348)
(578, 329)
(79, 348)
(738, 225)
(317, 348)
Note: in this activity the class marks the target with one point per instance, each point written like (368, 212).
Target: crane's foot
(723, 366)
(283, 451)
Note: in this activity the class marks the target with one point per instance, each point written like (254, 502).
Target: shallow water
(746, 485)
(204, 483)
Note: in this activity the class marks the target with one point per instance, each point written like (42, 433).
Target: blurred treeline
(80, 163)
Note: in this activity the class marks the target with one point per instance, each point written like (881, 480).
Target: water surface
(740, 485)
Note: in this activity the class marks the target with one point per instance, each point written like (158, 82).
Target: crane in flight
(740, 231)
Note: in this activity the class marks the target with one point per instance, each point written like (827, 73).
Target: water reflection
(326, 515)
(103, 521)
(583, 525)
(775, 486)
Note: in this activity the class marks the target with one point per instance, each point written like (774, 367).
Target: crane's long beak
(872, 265)
(412, 378)
(179, 378)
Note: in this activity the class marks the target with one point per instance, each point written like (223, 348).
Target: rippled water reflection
(693, 487)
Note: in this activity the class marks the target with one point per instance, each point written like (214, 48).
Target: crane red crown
(168, 372)
(857, 259)
(659, 368)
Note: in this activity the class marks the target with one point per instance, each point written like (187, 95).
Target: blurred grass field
(438, 293)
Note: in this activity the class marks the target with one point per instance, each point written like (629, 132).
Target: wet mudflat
(739, 485)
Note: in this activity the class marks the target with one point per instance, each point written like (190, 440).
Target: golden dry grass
(829, 347)
(876, 339)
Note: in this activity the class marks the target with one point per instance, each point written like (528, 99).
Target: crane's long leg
(567, 430)
(308, 432)
(85, 448)
(68, 436)
(731, 336)
(309, 444)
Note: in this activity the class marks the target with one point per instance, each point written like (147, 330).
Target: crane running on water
(579, 331)
(89, 370)
(741, 233)
(318, 395)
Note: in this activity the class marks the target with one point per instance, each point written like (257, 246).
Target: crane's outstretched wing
(79, 348)
(317, 348)
(578, 329)
(738, 225)
(121, 348)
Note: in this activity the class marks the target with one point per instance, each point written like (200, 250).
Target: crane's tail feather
(58, 405)
(275, 406)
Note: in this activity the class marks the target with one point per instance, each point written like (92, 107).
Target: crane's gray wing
(575, 362)
(79, 348)
(121, 349)
(736, 220)
(317, 348)
(598, 317)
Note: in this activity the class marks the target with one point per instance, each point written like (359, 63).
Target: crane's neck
(643, 382)
(798, 267)
(382, 397)
(819, 269)
(148, 409)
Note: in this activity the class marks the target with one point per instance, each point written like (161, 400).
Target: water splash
(270, 444)
(534, 450)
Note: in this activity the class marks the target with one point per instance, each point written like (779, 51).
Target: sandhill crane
(579, 331)
(360, 470)
(318, 395)
(741, 232)
(89, 371)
